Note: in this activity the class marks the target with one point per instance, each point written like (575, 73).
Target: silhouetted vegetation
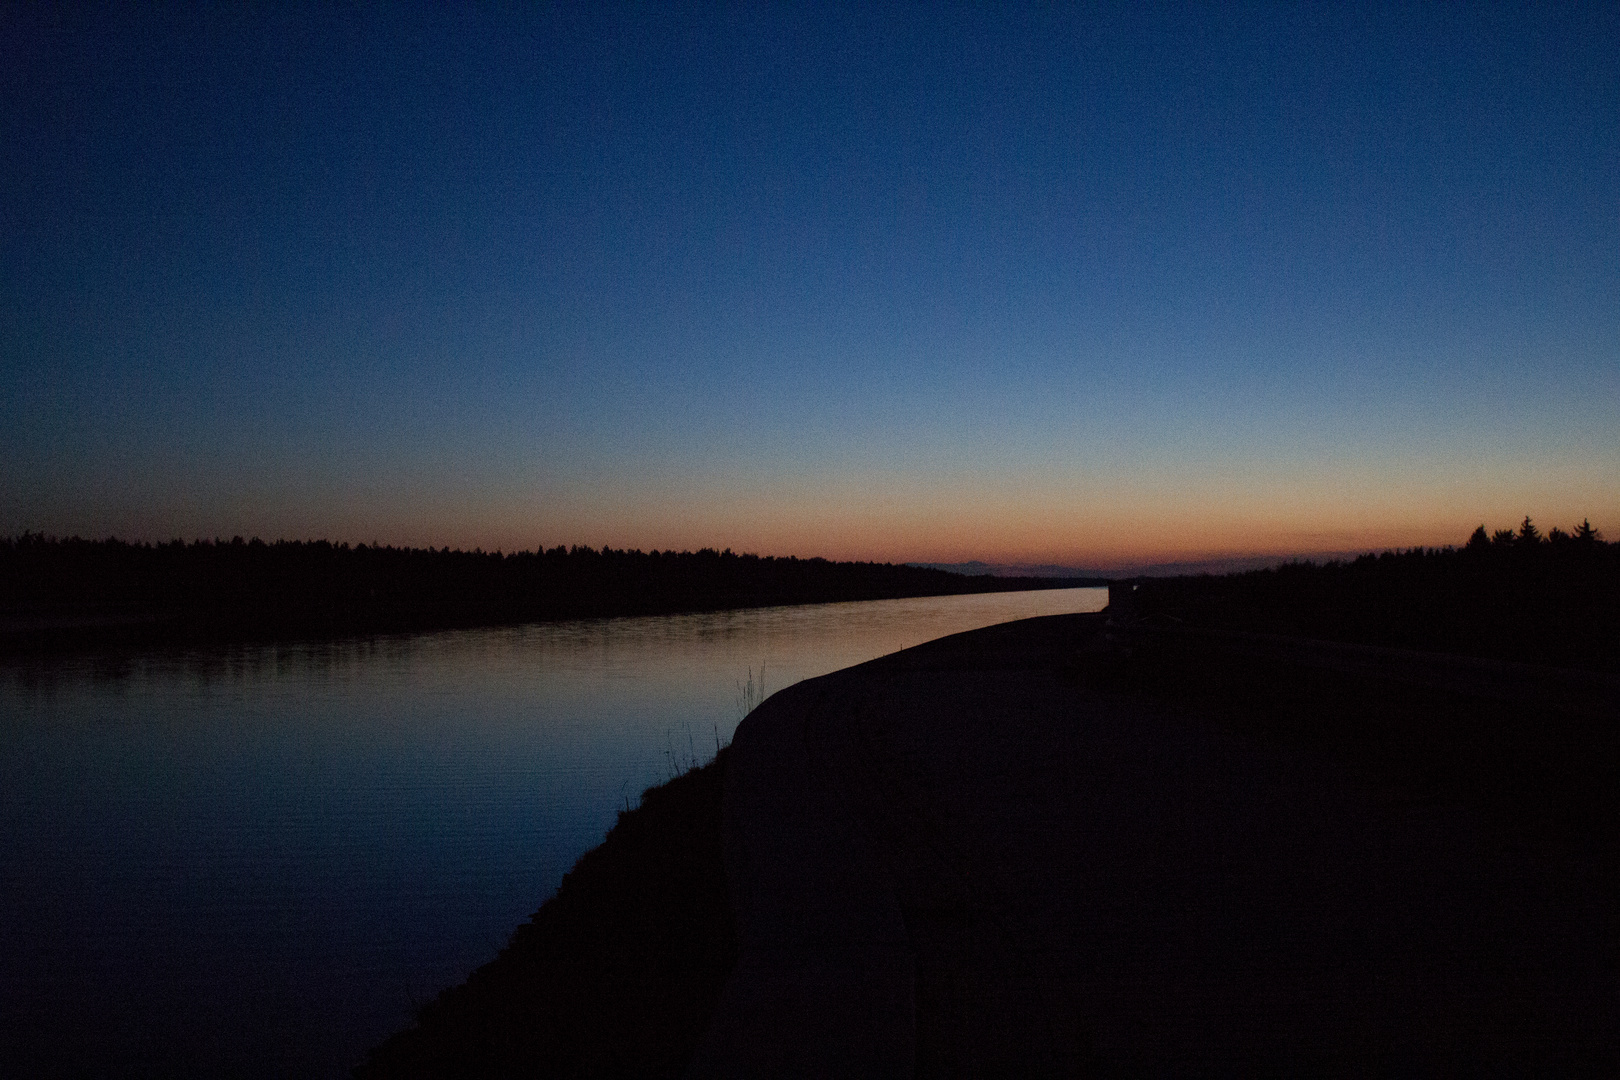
(616, 975)
(1514, 594)
(65, 592)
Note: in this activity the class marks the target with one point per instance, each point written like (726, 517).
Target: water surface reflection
(251, 861)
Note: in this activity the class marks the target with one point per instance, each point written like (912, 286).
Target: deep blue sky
(1079, 286)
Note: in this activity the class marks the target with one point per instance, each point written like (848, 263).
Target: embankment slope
(1054, 847)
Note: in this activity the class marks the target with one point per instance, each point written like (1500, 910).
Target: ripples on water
(253, 861)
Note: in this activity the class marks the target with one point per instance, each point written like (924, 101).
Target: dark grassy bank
(64, 593)
(1516, 596)
(616, 975)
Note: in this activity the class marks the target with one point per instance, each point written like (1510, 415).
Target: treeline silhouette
(1512, 594)
(57, 592)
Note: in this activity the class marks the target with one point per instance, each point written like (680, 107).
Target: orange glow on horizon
(1109, 524)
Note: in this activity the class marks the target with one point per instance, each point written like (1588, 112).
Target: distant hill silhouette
(68, 592)
(976, 568)
(1513, 595)
(1222, 564)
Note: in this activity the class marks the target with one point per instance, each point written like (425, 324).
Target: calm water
(253, 862)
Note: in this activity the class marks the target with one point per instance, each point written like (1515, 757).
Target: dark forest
(1510, 595)
(65, 592)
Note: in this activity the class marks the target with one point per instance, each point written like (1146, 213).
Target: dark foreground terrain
(1068, 847)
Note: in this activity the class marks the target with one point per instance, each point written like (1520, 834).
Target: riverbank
(1058, 845)
(617, 974)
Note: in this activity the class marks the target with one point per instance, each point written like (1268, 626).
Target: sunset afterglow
(1091, 289)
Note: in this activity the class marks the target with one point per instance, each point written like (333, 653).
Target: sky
(1095, 286)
